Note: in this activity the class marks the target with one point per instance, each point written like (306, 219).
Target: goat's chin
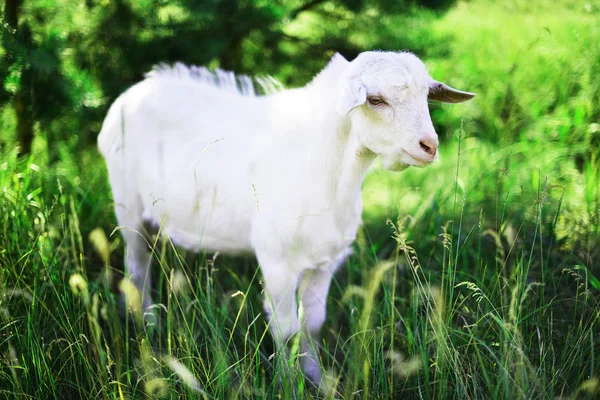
(397, 167)
(394, 164)
(403, 161)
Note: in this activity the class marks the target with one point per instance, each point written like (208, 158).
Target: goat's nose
(429, 145)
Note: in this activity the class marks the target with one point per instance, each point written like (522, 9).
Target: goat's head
(385, 94)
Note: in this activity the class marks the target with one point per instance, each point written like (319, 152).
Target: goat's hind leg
(122, 175)
(137, 253)
(137, 263)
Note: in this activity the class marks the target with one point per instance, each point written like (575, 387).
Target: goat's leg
(280, 301)
(137, 253)
(128, 209)
(280, 304)
(313, 297)
(137, 263)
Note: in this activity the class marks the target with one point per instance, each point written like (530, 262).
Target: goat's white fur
(279, 175)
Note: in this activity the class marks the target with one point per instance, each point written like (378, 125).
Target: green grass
(475, 278)
(444, 300)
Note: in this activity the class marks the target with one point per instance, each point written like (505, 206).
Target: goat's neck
(342, 159)
(352, 162)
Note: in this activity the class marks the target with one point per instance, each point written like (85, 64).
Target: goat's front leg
(280, 300)
(313, 297)
(280, 304)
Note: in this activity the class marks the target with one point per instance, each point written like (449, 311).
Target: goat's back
(177, 154)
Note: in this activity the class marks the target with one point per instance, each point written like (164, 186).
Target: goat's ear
(441, 92)
(352, 94)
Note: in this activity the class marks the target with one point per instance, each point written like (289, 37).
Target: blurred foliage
(535, 73)
(533, 67)
(64, 61)
(30, 69)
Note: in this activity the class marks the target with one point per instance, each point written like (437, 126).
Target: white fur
(221, 169)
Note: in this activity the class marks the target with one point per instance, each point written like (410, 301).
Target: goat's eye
(375, 100)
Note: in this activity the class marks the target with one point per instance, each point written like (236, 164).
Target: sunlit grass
(452, 297)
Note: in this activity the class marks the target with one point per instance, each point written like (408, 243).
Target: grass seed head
(133, 297)
(101, 245)
(79, 285)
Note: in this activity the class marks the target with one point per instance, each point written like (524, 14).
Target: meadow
(475, 278)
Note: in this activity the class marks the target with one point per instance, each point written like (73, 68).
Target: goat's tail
(112, 135)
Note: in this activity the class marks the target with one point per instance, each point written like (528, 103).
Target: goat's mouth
(417, 161)
(404, 159)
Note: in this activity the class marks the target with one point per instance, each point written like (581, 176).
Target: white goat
(280, 175)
